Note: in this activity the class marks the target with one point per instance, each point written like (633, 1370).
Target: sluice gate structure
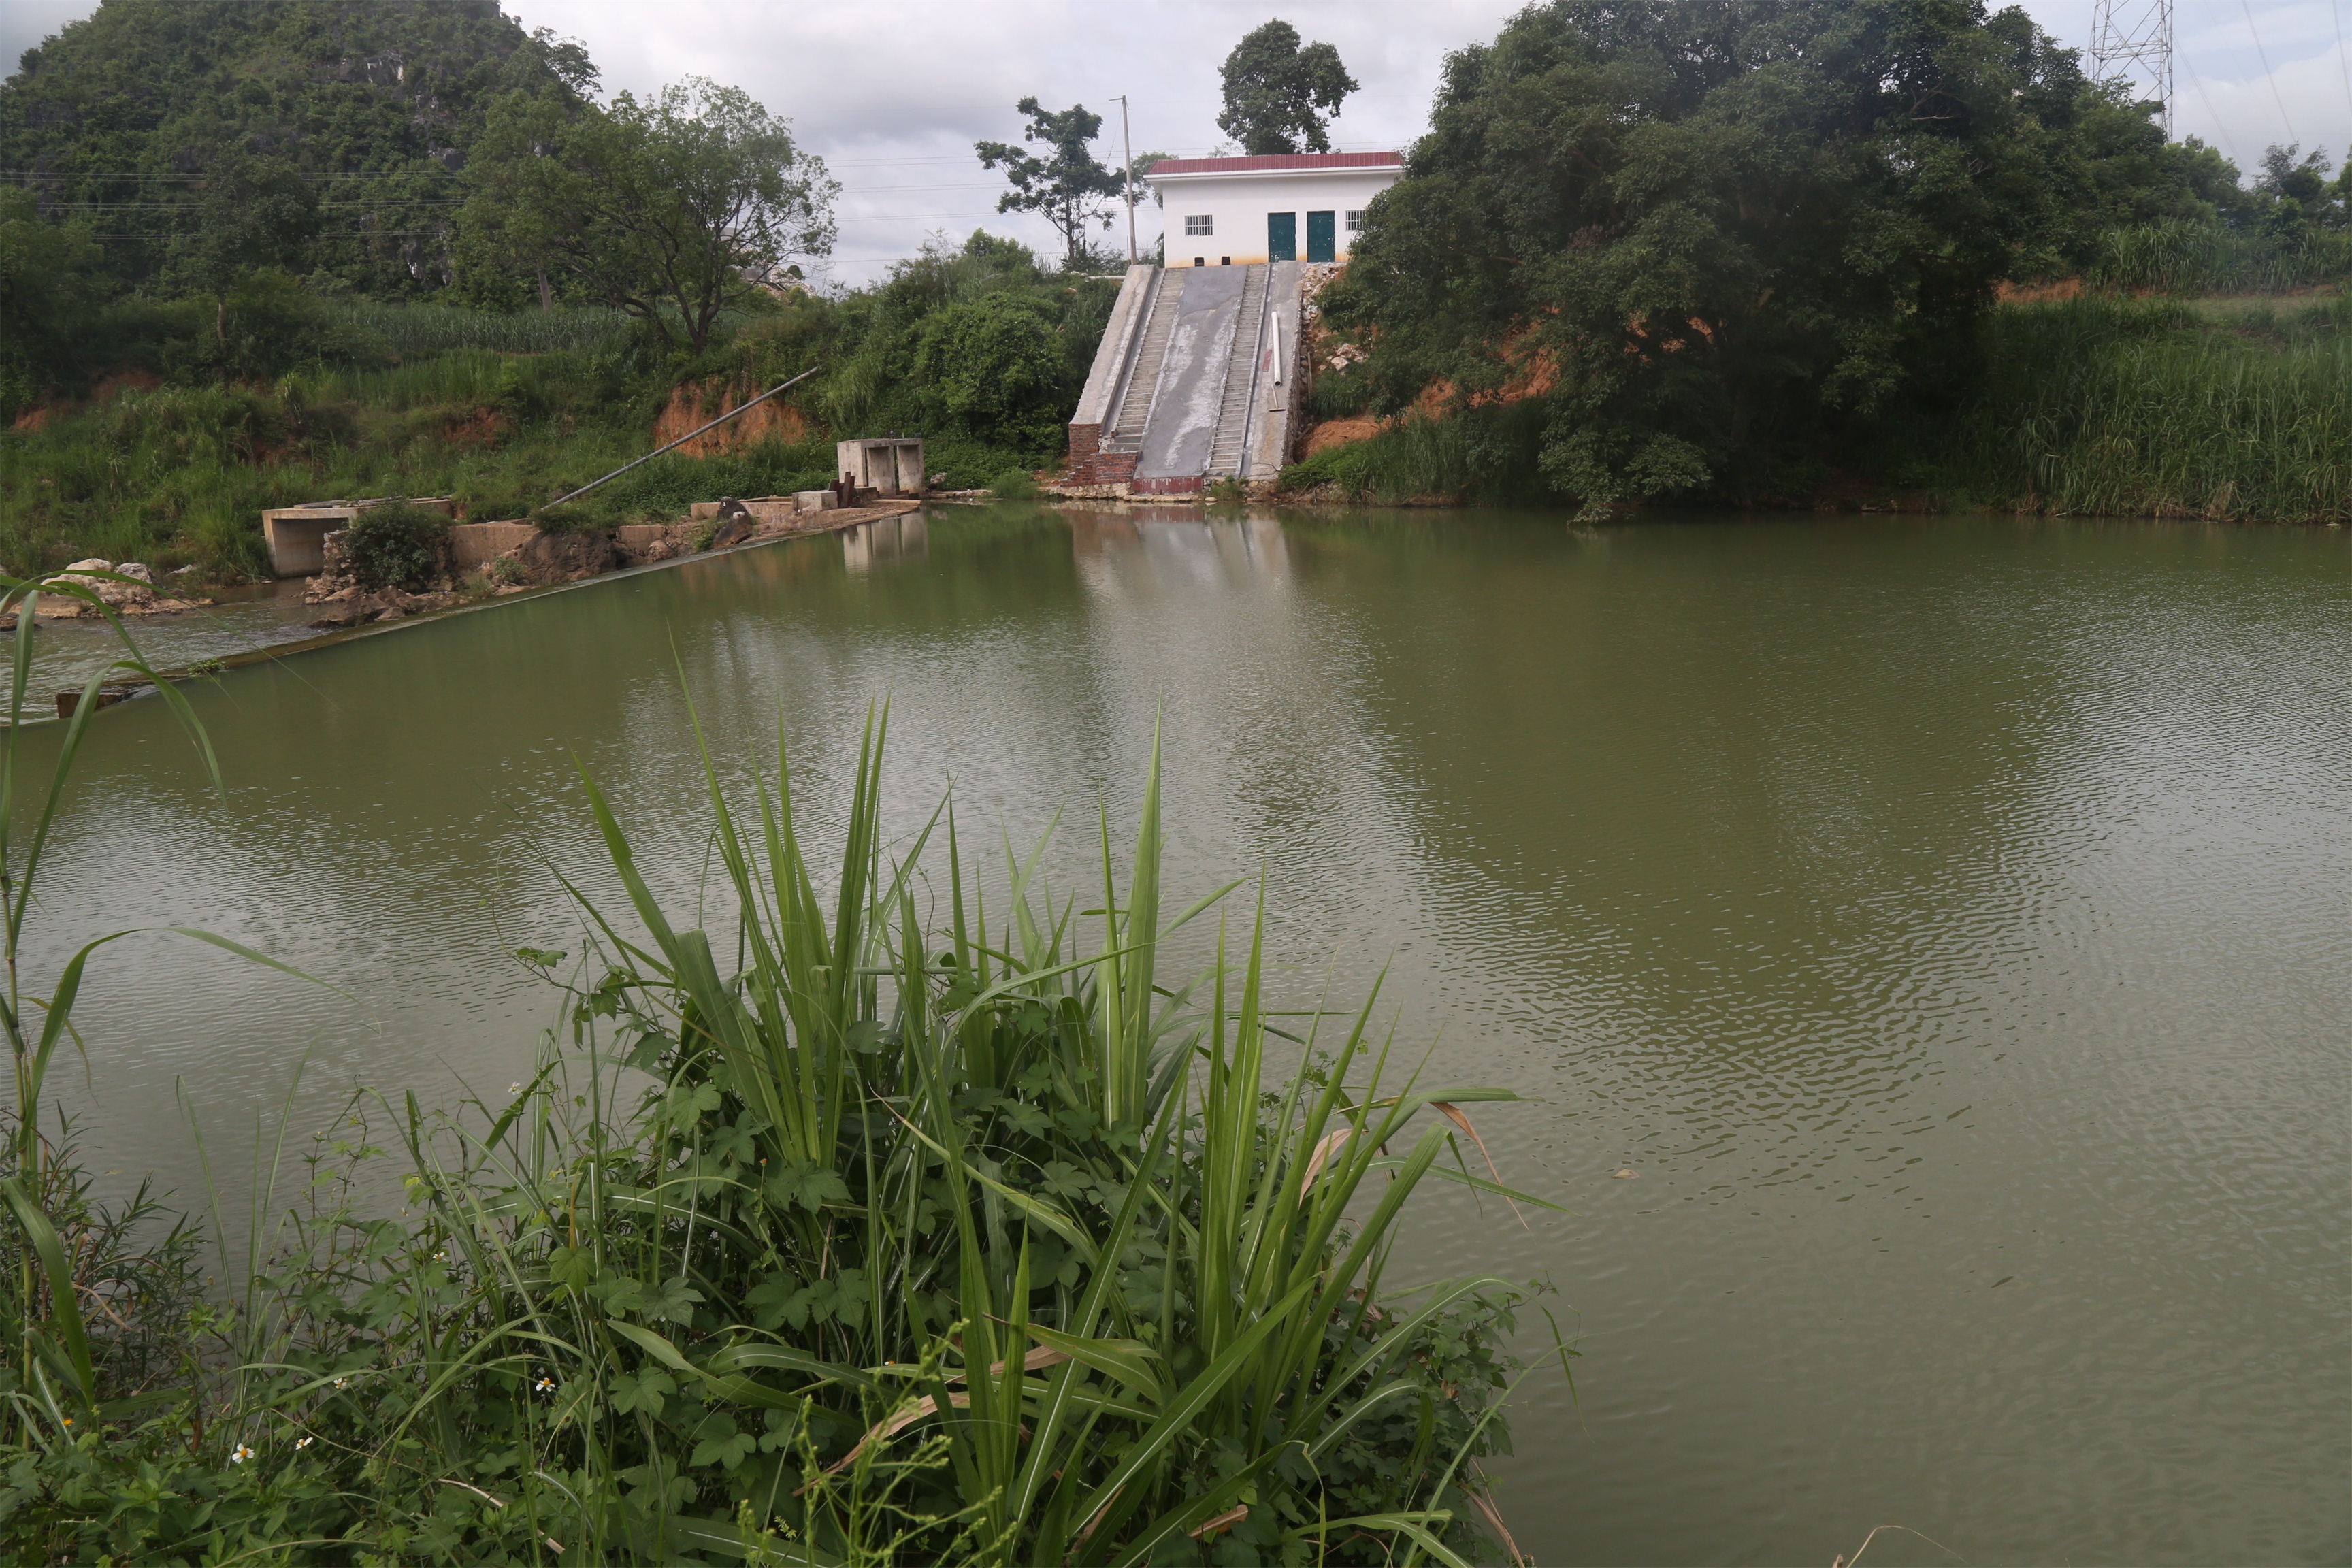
(1195, 380)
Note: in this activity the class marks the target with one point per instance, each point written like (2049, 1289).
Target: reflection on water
(1945, 921)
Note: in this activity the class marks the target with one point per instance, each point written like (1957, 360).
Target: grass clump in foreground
(879, 1240)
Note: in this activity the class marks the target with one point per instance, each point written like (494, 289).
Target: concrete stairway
(1231, 444)
(1184, 388)
(1125, 434)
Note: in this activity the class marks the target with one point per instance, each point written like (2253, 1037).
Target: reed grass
(1482, 454)
(890, 1229)
(2183, 257)
(2236, 411)
(415, 329)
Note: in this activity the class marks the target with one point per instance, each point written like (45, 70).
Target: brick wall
(1102, 469)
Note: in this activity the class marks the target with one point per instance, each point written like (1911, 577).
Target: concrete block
(473, 545)
(893, 465)
(296, 535)
(816, 501)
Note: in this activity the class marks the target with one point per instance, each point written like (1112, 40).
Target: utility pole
(1126, 173)
(2133, 38)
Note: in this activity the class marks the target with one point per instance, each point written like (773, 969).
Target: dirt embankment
(699, 403)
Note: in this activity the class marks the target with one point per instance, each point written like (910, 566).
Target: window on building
(1355, 219)
(1206, 223)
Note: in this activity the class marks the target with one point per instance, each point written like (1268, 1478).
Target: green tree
(1706, 233)
(670, 208)
(254, 214)
(2299, 196)
(122, 116)
(48, 288)
(1066, 188)
(1279, 96)
(993, 369)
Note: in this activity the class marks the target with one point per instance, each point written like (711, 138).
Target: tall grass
(2183, 257)
(53, 1361)
(2107, 407)
(1483, 455)
(412, 329)
(178, 473)
(888, 1229)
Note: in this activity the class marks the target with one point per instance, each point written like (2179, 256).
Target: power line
(2227, 139)
(2343, 54)
(2272, 76)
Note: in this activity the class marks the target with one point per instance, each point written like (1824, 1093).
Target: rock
(1625, 1175)
(60, 608)
(568, 556)
(139, 593)
(345, 607)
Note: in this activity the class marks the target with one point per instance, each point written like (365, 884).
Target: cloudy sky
(893, 95)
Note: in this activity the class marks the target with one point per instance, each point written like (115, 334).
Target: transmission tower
(2131, 40)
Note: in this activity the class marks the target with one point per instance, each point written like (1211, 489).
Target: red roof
(1279, 160)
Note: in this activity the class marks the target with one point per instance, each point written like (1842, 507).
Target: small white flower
(342, 1382)
(304, 1442)
(545, 1384)
(440, 1257)
(239, 1455)
(514, 1088)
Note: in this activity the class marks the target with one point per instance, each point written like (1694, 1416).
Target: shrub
(403, 547)
(1015, 484)
(572, 519)
(993, 368)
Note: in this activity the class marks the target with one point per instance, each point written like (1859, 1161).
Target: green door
(1282, 235)
(1322, 237)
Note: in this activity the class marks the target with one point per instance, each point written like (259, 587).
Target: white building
(1293, 206)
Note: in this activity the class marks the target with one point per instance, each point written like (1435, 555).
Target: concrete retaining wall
(473, 545)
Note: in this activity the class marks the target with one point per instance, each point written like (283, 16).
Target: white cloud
(894, 94)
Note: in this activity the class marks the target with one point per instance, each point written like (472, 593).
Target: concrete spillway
(1193, 380)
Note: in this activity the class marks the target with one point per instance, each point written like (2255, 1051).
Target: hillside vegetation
(253, 254)
(1714, 253)
(356, 117)
(979, 347)
(2232, 409)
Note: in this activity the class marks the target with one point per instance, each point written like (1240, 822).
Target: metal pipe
(682, 440)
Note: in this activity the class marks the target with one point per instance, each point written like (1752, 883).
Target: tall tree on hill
(252, 213)
(1066, 189)
(1279, 96)
(670, 208)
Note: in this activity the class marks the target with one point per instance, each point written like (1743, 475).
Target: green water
(1945, 921)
